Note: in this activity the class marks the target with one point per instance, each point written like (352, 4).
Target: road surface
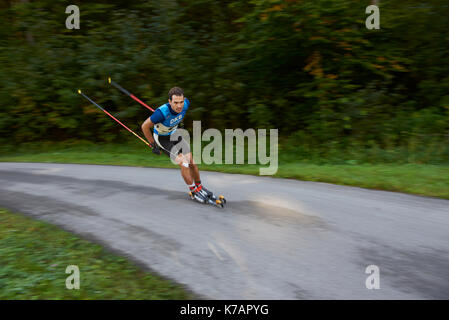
(276, 239)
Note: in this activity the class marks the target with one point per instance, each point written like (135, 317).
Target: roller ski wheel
(219, 201)
(212, 199)
(212, 196)
(220, 198)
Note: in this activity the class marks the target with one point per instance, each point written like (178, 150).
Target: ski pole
(115, 84)
(98, 106)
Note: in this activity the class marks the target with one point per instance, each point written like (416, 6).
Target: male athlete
(165, 121)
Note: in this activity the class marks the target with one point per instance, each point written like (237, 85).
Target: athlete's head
(176, 99)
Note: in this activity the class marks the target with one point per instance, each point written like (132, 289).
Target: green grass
(34, 256)
(421, 179)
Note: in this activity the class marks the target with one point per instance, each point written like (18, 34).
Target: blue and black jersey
(166, 120)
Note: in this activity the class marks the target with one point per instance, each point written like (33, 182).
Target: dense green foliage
(310, 68)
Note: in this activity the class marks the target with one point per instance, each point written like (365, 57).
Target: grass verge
(421, 179)
(34, 256)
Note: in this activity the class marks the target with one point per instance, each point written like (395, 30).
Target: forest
(308, 68)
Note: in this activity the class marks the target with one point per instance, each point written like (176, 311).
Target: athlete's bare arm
(146, 128)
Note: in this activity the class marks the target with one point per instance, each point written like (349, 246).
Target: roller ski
(213, 197)
(203, 195)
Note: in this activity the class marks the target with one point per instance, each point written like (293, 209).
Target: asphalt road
(276, 239)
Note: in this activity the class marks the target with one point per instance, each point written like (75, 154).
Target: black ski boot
(198, 196)
(208, 193)
(220, 200)
(201, 195)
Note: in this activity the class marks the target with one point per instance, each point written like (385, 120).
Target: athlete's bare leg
(194, 171)
(182, 161)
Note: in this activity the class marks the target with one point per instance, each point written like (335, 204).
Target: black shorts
(179, 145)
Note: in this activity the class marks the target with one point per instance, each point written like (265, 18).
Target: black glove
(155, 148)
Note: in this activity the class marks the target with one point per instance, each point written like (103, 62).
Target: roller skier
(164, 122)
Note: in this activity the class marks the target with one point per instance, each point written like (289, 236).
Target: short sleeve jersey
(166, 120)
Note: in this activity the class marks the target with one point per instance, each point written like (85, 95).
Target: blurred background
(333, 88)
(367, 108)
